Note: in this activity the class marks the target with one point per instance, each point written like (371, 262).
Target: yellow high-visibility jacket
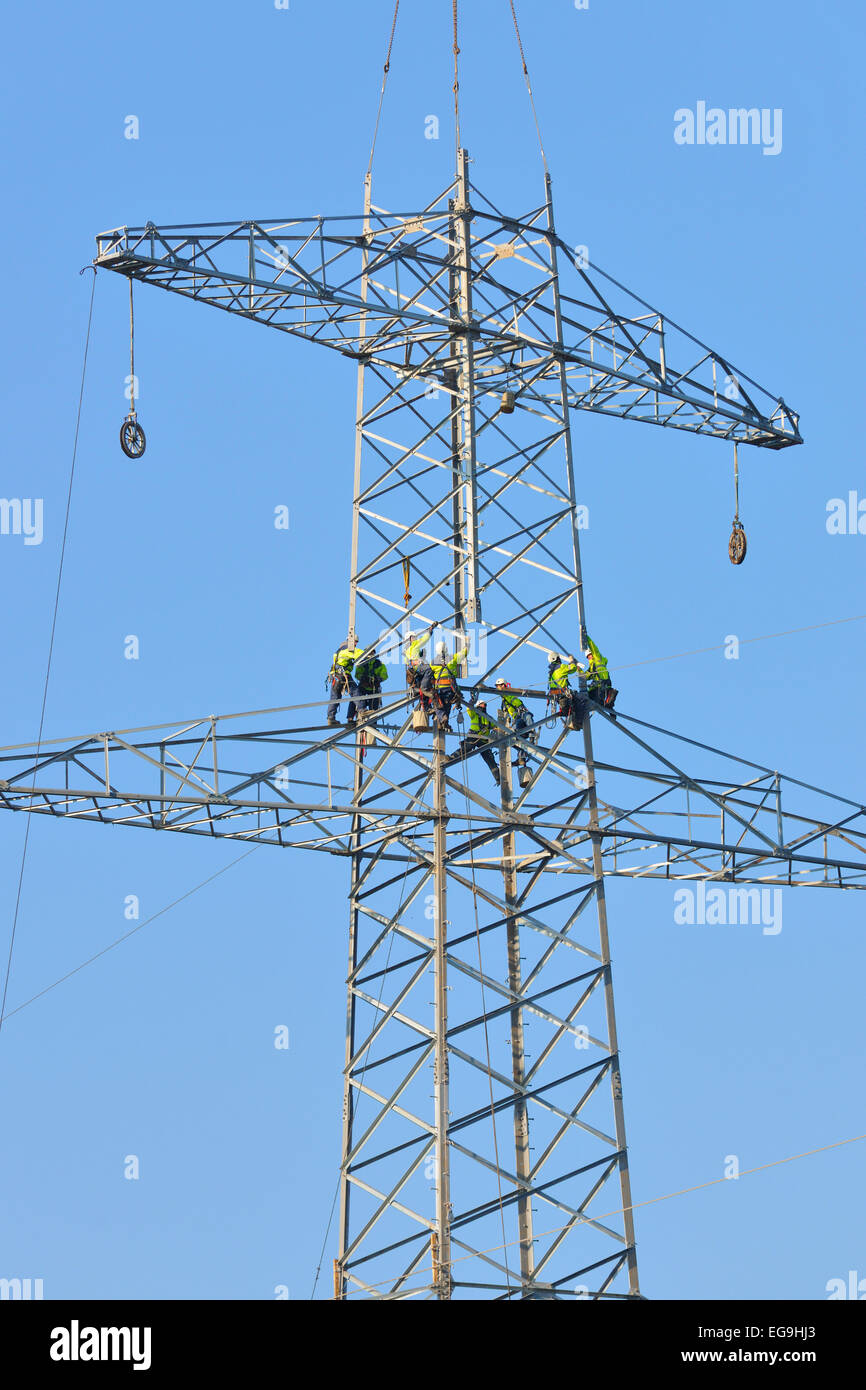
(419, 643)
(511, 704)
(443, 671)
(597, 663)
(557, 676)
(346, 657)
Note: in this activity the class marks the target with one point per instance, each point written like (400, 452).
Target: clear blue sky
(732, 1042)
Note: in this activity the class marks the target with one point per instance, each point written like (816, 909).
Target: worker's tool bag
(578, 713)
(419, 718)
(603, 694)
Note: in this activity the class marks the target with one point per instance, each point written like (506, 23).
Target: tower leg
(518, 1064)
(442, 1267)
(351, 1031)
(615, 1078)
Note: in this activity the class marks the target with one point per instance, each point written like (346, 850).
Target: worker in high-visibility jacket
(370, 672)
(598, 683)
(481, 729)
(418, 674)
(341, 681)
(514, 713)
(442, 683)
(571, 705)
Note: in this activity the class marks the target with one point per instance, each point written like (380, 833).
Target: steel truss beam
(732, 821)
(375, 286)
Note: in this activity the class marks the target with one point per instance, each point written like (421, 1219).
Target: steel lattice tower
(484, 1142)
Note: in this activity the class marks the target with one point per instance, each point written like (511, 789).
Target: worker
(442, 683)
(514, 713)
(370, 672)
(340, 680)
(481, 727)
(418, 674)
(598, 683)
(571, 705)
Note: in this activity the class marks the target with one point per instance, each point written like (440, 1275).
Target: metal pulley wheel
(133, 441)
(509, 400)
(737, 544)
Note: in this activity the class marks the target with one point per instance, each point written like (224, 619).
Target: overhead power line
(17, 908)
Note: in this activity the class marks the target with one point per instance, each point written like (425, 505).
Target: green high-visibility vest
(480, 722)
(370, 670)
(512, 702)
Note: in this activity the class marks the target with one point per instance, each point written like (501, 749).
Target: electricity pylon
(484, 1146)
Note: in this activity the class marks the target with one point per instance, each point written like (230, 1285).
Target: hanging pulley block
(509, 400)
(133, 441)
(737, 544)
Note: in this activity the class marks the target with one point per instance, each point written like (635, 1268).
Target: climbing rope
(385, 71)
(529, 86)
(50, 647)
(131, 352)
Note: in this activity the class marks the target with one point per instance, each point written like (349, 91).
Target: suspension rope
(529, 87)
(385, 71)
(131, 353)
(736, 484)
(456, 89)
(407, 573)
(50, 647)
